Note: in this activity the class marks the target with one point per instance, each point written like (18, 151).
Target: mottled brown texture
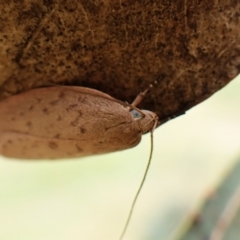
(53, 145)
(98, 125)
(192, 47)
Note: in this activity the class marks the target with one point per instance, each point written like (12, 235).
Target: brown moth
(67, 122)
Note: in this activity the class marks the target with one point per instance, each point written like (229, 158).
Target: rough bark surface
(191, 47)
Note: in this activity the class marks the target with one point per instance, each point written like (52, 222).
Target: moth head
(145, 120)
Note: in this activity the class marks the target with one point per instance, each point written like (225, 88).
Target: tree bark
(190, 47)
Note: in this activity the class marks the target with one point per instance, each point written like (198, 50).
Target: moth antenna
(141, 95)
(141, 184)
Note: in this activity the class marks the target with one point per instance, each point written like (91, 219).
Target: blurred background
(90, 198)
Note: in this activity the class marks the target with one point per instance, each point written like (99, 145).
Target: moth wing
(89, 91)
(65, 111)
(23, 146)
(62, 123)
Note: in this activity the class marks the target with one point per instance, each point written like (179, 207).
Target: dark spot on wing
(45, 110)
(52, 145)
(83, 130)
(79, 149)
(82, 98)
(76, 120)
(53, 103)
(31, 108)
(57, 135)
(61, 95)
(39, 100)
(59, 118)
(29, 123)
(74, 123)
(70, 107)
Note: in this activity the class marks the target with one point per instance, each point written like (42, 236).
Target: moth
(69, 122)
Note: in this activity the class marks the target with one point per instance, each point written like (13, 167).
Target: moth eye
(135, 113)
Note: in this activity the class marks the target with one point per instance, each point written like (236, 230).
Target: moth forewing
(65, 122)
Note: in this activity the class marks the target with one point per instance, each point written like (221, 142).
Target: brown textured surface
(192, 47)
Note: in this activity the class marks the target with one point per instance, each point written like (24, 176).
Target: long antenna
(140, 187)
